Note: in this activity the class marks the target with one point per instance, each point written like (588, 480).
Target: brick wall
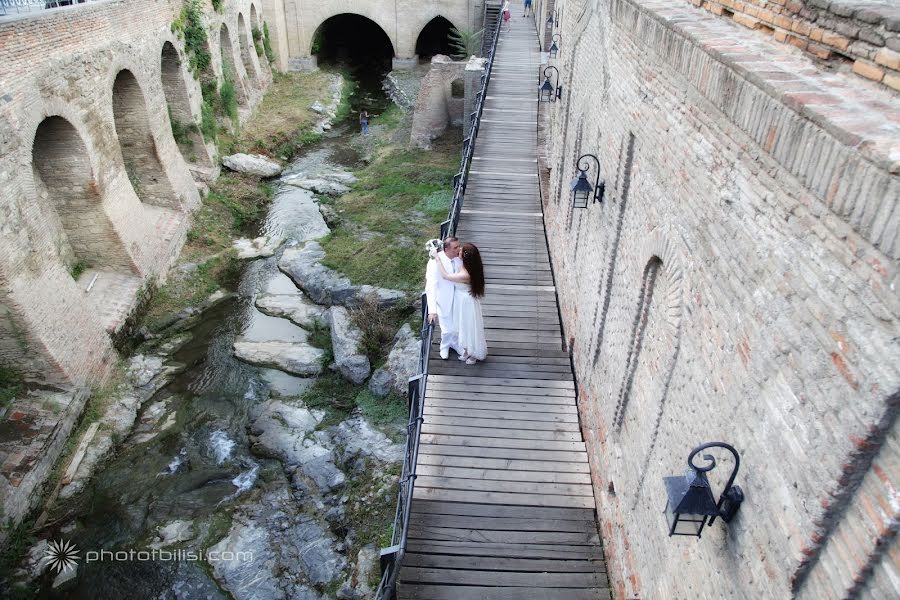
(738, 284)
(864, 33)
(89, 169)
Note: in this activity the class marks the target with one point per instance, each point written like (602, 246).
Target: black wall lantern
(582, 190)
(690, 499)
(547, 92)
(554, 48)
(550, 20)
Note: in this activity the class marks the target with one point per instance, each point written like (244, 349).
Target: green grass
(78, 268)
(267, 44)
(320, 337)
(282, 124)
(10, 385)
(228, 93)
(372, 521)
(399, 200)
(333, 394)
(382, 411)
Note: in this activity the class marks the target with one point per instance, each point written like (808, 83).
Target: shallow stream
(200, 463)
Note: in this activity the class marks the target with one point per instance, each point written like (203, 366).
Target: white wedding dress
(469, 322)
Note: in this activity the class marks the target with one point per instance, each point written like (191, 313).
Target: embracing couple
(454, 286)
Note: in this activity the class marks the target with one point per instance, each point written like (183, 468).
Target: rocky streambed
(218, 454)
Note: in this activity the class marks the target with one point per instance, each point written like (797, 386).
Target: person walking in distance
(506, 16)
(528, 9)
(364, 122)
(441, 294)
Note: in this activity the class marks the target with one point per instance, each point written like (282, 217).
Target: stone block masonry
(91, 178)
(864, 33)
(738, 283)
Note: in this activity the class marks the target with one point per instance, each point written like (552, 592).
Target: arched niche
(139, 151)
(354, 39)
(64, 180)
(229, 71)
(434, 39)
(244, 41)
(184, 125)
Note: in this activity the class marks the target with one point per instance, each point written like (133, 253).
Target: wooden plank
(455, 592)
(489, 563)
(512, 487)
(463, 394)
(431, 445)
(504, 474)
(507, 423)
(506, 464)
(479, 436)
(499, 381)
(541, 551)
(501, 578)
(524, 410)
(433, 409)
(488, 497)
(491, 510)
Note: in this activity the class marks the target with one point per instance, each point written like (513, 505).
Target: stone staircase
(491, 12)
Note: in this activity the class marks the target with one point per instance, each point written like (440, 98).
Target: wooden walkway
(503, 506)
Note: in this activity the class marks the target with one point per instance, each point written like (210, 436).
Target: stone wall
(864, 33)
(738, 283)
(402, 21)
(437, 106)
(91, 178)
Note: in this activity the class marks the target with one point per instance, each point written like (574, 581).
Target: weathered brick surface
(89, 170)
(855, 29)
(768, 190)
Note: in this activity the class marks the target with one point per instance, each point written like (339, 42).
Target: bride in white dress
(469, 284)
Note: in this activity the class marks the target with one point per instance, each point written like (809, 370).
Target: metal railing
(13, 7)
(392, 556)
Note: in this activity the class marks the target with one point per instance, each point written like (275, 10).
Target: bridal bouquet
(432, 247)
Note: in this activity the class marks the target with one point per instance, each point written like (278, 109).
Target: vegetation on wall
(189, 27)
(10, 385)
(257, 41)
(218, 5)
(267, 44)
(228, 94)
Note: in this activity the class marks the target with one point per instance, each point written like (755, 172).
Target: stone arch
(256, 33)
(244, 41)
(433, 38)
(184, 125)
(64, 179)
(229, 68)
(254, 18)
(351, 34)
(458, 88)
(139, 151)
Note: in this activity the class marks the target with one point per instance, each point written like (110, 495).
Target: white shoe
(445, 353)
(471, 361)
(463, 356)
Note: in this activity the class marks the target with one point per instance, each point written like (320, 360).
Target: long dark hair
(471, 260)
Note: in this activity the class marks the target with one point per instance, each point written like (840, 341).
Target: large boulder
(346, 339)
(356, 439)
(327, 286)
(318, 185)
(261, 247)
(280, 430)
(402, 363)
(252, 164)
(297, 358)
(299, 217)
(294, 307)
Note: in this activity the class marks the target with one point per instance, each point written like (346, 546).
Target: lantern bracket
(732, 496)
